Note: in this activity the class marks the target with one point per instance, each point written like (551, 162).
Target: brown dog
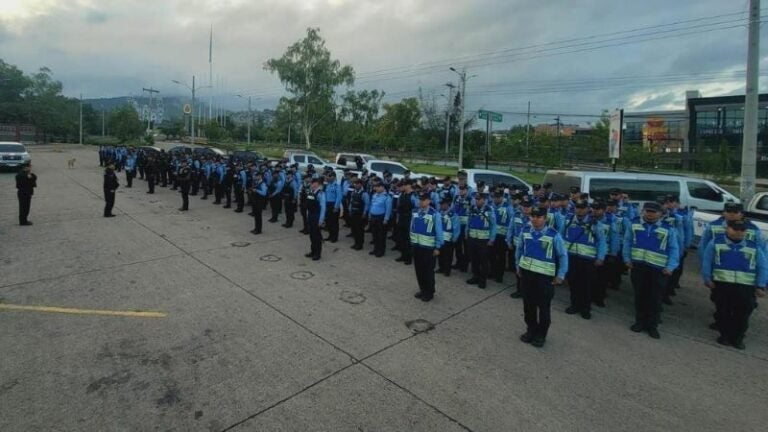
(71, 163)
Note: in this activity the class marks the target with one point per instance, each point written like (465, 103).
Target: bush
(149, 139)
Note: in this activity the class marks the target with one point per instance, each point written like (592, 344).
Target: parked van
(641, 187)
(492, 178)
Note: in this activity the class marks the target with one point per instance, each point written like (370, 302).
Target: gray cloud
(123, 46)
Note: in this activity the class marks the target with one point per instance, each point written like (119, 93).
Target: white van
(641, 187)
(492, 178)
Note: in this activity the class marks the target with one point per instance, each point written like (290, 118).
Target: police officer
(586, 245)
(504, 215)
(461, 206)
(379, 215)
(241, 183)
(406, 203)
(304, 190)
(226, 185)
(259, 200)
(276, 185)
(451, 232)
(130, 169)
(736, 270)
(26, 182)
(359, 206)
(110, 187)
(184, 179)
(612, 235)
(205, 177)
(670, 216)
(481, 235)
(651, 252)
(316, 207)
(520, 221)
(333, 194)
(289, 194)
(426, 237)
(542, 262)
(151, 172)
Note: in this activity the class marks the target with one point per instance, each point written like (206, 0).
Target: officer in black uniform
(316, 208)
(404, 213)
(359, 202)
(110, 186)
(289, 199)
(183, 180)
(26, 182)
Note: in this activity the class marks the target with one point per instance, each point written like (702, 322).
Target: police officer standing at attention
(333, 195)
(451, 232)
(130, 169)
(405, 205)
(380, 212)
(736, 270)
(183, 180)
(542, 262)
(359, 206)
(316, 203)
(426, 236)
(651, 252)
(587, 247)
(259, 200)
(481, 234)
(289, 199)
(151, 171)
(110, 186)
(26, 182)
(504, 214)
(241, 181)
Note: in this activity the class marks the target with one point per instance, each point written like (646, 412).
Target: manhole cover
(302, 275)
(352, 297)
(270, 258)
(240, 244)
(419, 326)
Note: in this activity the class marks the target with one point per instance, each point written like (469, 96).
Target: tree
(125, 124)
(310, 75)
(399, 121)
(13, 84)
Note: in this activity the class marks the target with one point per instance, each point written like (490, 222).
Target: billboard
(615, 135)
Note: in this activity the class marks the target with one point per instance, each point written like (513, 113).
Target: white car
(13, 155)
(493, 178)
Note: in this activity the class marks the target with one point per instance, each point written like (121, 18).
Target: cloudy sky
(601, 54)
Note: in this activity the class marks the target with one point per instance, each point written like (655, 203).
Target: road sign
(495, 117)
(187, 109)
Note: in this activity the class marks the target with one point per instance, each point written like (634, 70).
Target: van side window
(702, 191)
(638, 190)
(313, 160)
(299, 158)
(762, 204)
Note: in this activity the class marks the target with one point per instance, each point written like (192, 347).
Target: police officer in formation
(426, 237)
(546, 236)
(110, 187)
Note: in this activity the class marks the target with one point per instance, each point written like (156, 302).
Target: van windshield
(11, 148)
(637, 189)
(562, 182)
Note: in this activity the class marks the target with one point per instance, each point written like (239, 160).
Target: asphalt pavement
(178, 321)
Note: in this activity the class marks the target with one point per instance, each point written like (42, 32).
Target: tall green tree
(311, 76)
(124, 124)
(13, 84)
(400, 120)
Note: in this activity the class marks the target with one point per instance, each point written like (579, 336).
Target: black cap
(425, 195)
(446, 200)
(547, 185)
(537, 211)
(669, 199)
(482, 195)
(611, 202)
(615, 191)
(536, 186)
(581, 204)
(738, 225)
(332, 173)
(574, 189)
(652, 206)
(733, 207)
(526, 203)
(598, 205)
(498, 194)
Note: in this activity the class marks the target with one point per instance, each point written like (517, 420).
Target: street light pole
(81, 119)
(749, 140)
(192, 113)
(448, 117)
(463, 93)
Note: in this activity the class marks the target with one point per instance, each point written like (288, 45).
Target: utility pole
(149, 111)
(448, 117)
(103, 114)
(559, 147)
(463, 92)
(210, 75)
(527, 135)
(81, 119)
(749, 143)
(487, 139)
(250, 120)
